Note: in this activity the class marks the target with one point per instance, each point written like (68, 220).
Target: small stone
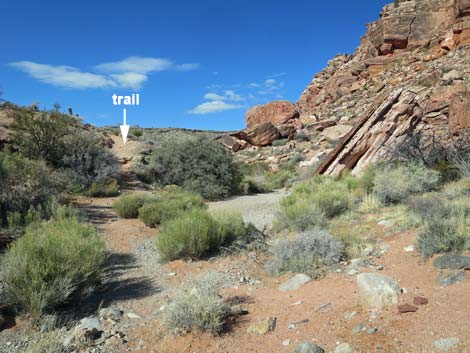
(379, 268)
(308, 347)
(350, 315)
(90, 323)
(409, 248)
(172, 274)
(445, 344)
(449, 278)
(407, 308)
(286, 342)
(372, 330)
(368, 250)
(132, 316)
(110, 314)
(418, 300)
(295, 282)
(353, 272)
(359, 328)
(344, 348)
(262, 326)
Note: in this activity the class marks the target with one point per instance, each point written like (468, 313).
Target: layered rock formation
(410, 74)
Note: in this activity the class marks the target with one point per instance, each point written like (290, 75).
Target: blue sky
(196, 64)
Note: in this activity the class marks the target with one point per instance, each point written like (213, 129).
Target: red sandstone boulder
(259, 135)
(277, 113)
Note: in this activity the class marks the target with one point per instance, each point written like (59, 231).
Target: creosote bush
(51, 264)
(25, 184)
(198, 165)
(167, 204)
(197, 306)
(128, 205)
(393, 183)
(197, 233)
(108, 188)
(309, 252)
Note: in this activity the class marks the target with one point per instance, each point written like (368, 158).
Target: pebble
(286, 342)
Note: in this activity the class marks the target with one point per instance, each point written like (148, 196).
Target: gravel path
(259, 209)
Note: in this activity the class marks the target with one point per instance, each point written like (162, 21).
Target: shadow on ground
(117, 288)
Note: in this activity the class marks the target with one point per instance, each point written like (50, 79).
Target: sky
(195, 64)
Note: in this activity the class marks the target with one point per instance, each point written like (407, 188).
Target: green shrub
(106, 189)
(85, 162)
(307, 252)
(168, 204)
(197, 306)
(446, 224)
(196, 233)
(370, 204)
(25, 184)
(457, 189)
(128, 205)
(59, 140)
(279, 179)
(198, 165)
(51, 264)
(393, 183)
(309, 200)
(300, 216)
(137, 132)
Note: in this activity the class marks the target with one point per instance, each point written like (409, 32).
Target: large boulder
(377, 291)
(262, 134)
(277, 113)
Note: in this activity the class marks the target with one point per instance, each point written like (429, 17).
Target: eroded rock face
(438, 25)
(459, 112)
(277, 113)
(262, 134)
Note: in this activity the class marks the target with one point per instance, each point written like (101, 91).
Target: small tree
(39, 135)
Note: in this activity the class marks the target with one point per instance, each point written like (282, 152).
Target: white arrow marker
(124, 127)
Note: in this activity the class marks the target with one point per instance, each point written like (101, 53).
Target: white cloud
(136, 64)
(130, 80)
(229, 95)
(131, 72)
(216, 106)
(213, 97)
(64, 76)
(232, 96)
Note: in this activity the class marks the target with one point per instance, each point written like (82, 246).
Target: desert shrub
(167, 204)
(321, 195)
(51, 264)
(128, 205)
(393, 183)
(40, 135)
(446, 224)
(251, 185)
(108, 188)
(300, 216)
(279, 143)
(370, 204)
(301, 136)
(47, 343)
(306, 252)
(350, 230)
(460, 188)
(230, 226)
(280, 178)
(197, 305)
(137, 132)
(198, 165)
(25, 184)
(86, 162)
(196, 233)
(57, 139)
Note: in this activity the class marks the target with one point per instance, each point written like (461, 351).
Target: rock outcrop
(265, 124)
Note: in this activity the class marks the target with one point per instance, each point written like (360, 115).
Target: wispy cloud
(131, 72)
(218, 103)
(215, 106)
(64, 76)
(224, 97)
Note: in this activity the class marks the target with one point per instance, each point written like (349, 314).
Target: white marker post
(124, 127)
